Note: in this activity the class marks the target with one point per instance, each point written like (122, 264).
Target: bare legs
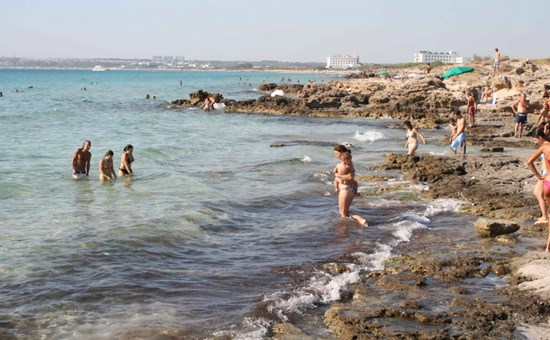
(412, 148)
(539, 194)
(518, 130)
(345, 197)
(547, 197)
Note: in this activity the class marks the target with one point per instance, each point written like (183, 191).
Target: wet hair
(109, 153)
(341, 148)
(128, 147)
(408, 124)
(86, 141)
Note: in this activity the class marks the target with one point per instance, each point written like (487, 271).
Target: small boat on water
(99, 68)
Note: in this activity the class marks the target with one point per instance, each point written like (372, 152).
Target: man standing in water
(81, 160)
(459, 137)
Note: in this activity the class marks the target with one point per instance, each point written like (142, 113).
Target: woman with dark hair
(543, 186)
(340, 149)
(345, 175)
(126, 161)
(412, 137)
(106, 169)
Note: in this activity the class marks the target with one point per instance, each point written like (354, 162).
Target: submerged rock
(493, 228)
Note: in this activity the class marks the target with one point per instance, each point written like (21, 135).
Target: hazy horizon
(285, 31)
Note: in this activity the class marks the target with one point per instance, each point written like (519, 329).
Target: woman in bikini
(106, 169)
(345, 173)
(412, 138)
(126, 161)
(339, 149)
(544, 179)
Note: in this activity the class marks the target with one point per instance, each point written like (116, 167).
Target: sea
(226, 227)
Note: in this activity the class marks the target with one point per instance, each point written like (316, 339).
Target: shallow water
(216, 234)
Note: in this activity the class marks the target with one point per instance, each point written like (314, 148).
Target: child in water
(351, 170)
(452, 124)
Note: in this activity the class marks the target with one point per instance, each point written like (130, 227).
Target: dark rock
(493, 228)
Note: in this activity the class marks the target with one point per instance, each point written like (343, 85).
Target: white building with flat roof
(449, 57)
(343, 61)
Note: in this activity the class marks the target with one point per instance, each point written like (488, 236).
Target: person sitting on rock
(487, 94)
(209, 103)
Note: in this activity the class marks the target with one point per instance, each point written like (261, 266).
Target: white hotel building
(343, 61)
(449, 57)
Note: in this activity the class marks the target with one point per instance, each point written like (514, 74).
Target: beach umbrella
(456, 71)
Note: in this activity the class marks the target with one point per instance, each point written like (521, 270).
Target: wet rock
(335, 268)
(287, 331)
(197, 99)
(493, 228)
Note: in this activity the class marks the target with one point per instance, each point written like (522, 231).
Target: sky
(378, 31)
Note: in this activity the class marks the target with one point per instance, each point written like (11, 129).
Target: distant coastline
(316, 71)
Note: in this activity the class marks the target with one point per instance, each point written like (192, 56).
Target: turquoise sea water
(216, 235)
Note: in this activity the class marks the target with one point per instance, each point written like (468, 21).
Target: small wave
(322, 288)
(442, 205)
(375, 261)
(248, 328)
(368, 136)
(405, 230)
(306, 159)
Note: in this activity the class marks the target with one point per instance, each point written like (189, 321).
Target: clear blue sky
(285, 30)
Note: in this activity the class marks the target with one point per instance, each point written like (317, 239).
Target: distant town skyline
(297, 31)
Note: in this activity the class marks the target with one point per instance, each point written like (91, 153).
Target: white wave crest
(405, 230)
(442, 205)
(248, 329)
(306, 159)
(322, 287)
(375, 261)
(368, 136)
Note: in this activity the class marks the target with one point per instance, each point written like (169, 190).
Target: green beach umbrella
(455, 71)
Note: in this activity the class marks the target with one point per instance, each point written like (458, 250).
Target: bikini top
(411, 134)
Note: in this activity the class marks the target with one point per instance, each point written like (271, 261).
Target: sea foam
(368, 136)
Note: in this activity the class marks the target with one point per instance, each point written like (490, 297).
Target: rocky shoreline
(494, 184)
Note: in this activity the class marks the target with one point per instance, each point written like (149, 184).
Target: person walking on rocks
(544, 150)
(459, 137)
(520, 108)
